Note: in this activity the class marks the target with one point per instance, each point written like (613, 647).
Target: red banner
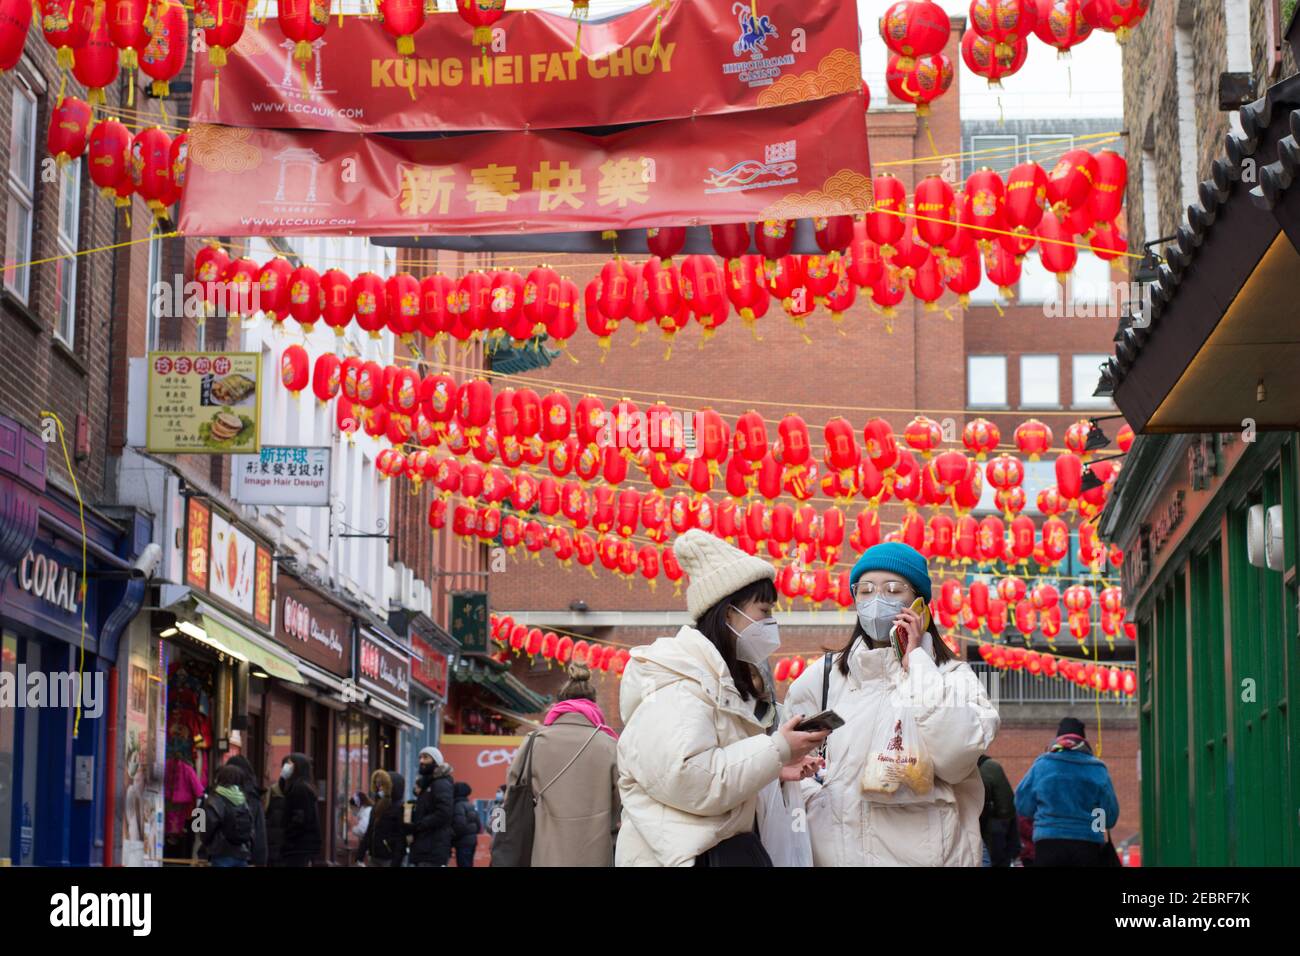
(711, 58)
(789, 162)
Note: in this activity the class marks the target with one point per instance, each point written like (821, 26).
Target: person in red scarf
(575, 776)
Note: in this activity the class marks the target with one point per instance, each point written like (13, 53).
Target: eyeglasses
(866, 589)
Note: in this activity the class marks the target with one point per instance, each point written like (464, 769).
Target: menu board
(204, 403)
(227, 563)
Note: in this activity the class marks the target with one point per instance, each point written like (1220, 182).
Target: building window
(1150, 197)
(66, 268)
(986, 381)
(1090, 283)
(996, 152)
(1037, 285)
(1046, 149)
(1185, 75)
(22, 192)
(1084, 373)
(152, 330)
(1040, 385)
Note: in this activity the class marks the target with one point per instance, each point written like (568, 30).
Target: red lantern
(273, 288)
(1022, 537)
(1025, 196)
(481, 15)
(164, 57)
(294, 373)
(1057, 250)
(1115, 16)
(303, 22)
(774, 239)
(222, 23)
(1069, 475)
(914, 28)
(15, 22)
(95, 59)
(337, 304)
(666, 242)
(1070, 183)
(924, 435)
(69, 124)
(369, 303)
(703, 288)
(833, 233)
(886, 223)
(402, 305)
(921, 83)
(151, 167)
(1033, 438)
(66, 25)
(866, 532)
(402, 19)
(982, 57)
(864, 264)
(1106, 201)
(1005, 22)
(1061, 24)
(325, 377)
(1056, 539)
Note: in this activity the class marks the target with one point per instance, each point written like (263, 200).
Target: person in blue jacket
(1069, 796)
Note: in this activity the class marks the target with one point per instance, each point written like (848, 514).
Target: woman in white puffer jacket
(699, 743)
(871, 689)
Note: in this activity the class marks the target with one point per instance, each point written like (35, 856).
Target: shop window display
(191, 686)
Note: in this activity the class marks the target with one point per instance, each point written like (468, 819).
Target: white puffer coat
(692, 758)
(956, 723)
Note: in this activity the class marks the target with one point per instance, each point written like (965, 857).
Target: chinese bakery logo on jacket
(759, 68)
(778, 168)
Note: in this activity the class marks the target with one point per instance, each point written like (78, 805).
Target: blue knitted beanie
(901, 559)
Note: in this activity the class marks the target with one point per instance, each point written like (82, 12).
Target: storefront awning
(228, 635)
(501, 684)
(391, 712)
(1216, 345)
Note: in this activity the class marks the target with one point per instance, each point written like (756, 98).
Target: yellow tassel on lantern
(406, 45)
(482, 36)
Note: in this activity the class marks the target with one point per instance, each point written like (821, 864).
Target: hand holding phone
(898, 636)
(827, 720)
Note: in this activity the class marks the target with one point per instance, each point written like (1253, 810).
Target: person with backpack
(253, 795)
(998, 821)
(465, 825)
(431, 822)
(384, 844)
(227, 834)
(302, 840)
(1069, 796)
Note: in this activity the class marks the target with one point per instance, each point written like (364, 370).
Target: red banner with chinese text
(712, 57)
(789, 162)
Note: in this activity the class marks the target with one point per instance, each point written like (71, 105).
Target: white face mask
(876, 615)
(758, 641)
(286, 771)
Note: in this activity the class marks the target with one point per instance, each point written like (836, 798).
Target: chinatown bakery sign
(313, 628)
(382, 667)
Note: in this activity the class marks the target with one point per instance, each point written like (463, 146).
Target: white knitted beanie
(716, 569)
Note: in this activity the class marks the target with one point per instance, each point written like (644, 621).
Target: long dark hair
(941, 652)
(713, 625)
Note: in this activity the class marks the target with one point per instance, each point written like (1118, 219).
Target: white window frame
(1091, 363)
(1055, 402)
(972, 376)
(65, 321)
(19, 282)
(153, 328)
(1185, 67)
(1001, 162)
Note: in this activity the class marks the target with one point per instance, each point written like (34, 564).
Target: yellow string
(81, 590)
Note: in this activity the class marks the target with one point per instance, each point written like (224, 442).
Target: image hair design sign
(283, 476)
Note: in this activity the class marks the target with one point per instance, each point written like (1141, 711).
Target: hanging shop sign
(781, 163)
(712, 57)
(313, 628)
(383, 669)
(281, 475)
(204, 402)
(429, 666)
(224, 562)
(469, 620)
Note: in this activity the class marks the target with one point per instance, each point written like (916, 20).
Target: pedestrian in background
(253, 797)
(273, 811)
(574, 773)
(361, 807)
(302, 841)
(465, 825)
(431, 820)
(384, 843)
(998, 821)
(1069, 795)
(227, 834)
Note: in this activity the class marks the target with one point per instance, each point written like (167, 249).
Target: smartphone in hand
(826, 720)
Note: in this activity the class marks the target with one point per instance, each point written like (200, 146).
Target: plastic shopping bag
(898, 766)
